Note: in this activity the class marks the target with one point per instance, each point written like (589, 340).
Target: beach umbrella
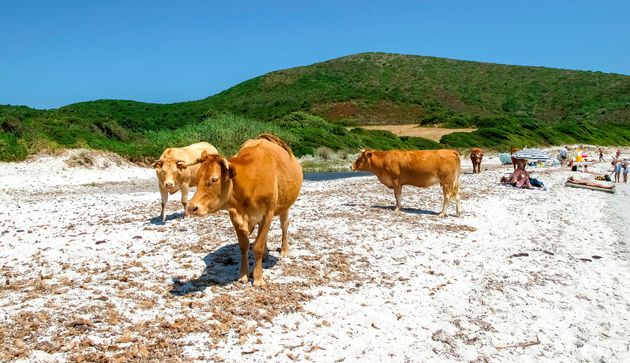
(531, 154)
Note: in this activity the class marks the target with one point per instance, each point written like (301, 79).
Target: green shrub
(324, 152)
(11, 149)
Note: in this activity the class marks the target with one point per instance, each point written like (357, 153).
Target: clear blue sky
(53, 53)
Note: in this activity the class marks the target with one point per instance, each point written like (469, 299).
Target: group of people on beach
(520, 178)
(620, 166)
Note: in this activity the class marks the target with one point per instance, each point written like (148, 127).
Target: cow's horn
(199, 160)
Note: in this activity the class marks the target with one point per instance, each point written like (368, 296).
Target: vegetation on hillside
(29, 131)
(309, 107)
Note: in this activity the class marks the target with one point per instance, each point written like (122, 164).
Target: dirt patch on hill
(431, 133)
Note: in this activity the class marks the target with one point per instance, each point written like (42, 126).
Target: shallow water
(325, 176)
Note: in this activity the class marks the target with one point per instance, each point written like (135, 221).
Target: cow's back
(269, 172)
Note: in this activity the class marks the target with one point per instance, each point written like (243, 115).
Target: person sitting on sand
(519, 178)
(575, 180)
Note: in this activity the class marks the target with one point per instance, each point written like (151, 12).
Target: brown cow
(515, 161)
(420, 168)
(261, 181)
(475, 157)
(174, 174)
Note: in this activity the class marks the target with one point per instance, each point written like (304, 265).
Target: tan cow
(174, 173)
(420, 168)
(261, 181)
(476, 155)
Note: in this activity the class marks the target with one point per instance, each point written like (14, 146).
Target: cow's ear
(181, 165)
(158, 164)
(228, 168)
(204, 155)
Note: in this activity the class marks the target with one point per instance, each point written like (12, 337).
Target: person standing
(617, 171)
(624, 167)
(601, 155)
(563, 155)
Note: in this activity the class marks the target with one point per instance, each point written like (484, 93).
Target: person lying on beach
(574, 180)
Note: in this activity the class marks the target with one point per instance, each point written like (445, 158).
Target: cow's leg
(284, 224)
(457, 204)
(259, 248)
(446, 192)
(397, 192)
(164, 195)
(266, 254)
(243, 244)
(184, 190)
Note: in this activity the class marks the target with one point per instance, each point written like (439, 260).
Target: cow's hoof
(284, 253)
(244, 279)
(259, 283)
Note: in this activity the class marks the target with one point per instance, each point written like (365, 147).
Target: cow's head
(476, 155)
(169, 171)
(214, 184)
(363, 162)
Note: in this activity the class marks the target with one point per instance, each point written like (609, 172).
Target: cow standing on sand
(515, 161)
(261, 181)
(420, 168)
(475, 157)
(174, 172)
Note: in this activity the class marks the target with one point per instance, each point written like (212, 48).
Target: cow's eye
(214, 179)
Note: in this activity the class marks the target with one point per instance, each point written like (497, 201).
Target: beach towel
(590, 187)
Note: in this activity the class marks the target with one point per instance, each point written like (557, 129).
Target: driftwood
(520, 345)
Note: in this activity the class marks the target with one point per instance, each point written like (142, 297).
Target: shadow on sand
(222, 267)
(157, 221)
(408, 210)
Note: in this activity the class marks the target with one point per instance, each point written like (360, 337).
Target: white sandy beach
(90, 274)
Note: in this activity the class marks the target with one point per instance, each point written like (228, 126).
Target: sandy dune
(89, 273)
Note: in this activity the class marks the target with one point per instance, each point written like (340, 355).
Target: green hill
(384, 88)
(511, 105)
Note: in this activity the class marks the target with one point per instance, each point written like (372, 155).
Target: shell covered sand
(89, 274)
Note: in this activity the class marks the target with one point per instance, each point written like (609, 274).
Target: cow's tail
(276, 140)
(455, 189)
